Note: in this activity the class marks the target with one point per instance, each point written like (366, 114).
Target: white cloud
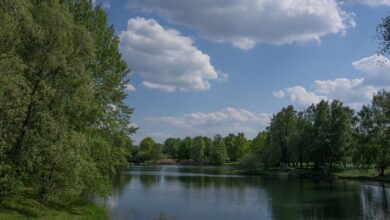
(164, 58)
(279, 94)
(354, 92)
(248, 22)
(129, 88)
(225, 121)
(372, 3)
(302, 97)
(166, 88)
(376, 68)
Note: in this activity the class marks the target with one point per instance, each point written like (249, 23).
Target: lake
(207, 192)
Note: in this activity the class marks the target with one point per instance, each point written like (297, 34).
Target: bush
(248, 162)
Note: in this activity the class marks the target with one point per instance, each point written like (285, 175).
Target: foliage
(248, 162)
(63, 124)
(218, 152)
(147, 147)
(374, 133)
(383, 36)
(283, 134)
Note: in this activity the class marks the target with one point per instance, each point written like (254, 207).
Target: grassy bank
(28, 208)
(348, 173)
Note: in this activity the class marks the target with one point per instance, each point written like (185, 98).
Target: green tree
(283, 134)
(383, 36)
(218, 150)
(148, 147)
(332, 129)
(374, 132)
(197, 149)
(63, 124)
(171, 146)
(184, 150)
(236, 146)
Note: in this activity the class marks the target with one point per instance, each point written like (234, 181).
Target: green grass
(347, 173)
(28, 208)
(367, 174)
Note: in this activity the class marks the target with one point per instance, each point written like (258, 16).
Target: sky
(206, 67)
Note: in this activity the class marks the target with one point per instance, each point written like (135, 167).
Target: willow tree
(63, 124)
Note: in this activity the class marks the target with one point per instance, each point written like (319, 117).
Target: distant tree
(197, 149)
(218, 150)
(374, 132)
(184, 150)
(236, 146)
(305, 138)
(258, 143)
(248, 162)
(148, 147)
(332, 129)
(283, 134)
(208, 148)
(171, 146)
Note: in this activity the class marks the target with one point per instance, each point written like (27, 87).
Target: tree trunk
(381, 171)
(26, 123)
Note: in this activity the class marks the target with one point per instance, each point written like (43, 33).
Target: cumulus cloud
(301, 96)
(129, 88)
(372, 3)
(164, 58)
(354, 92)
(248, 22)
(225, 121)
(376, 68)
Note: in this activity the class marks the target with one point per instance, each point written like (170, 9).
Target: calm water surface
(184, 192)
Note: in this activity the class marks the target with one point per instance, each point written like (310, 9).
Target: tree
(171, 146)
(258, 143)
(197, 149)
(383, 36)
(236, 146)
(332, 129)
(148, 147)
(218, 150)
(184, 150)
(283, 134)
(374, 131)
(63, 124)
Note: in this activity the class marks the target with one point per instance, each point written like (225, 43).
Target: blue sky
(224, 66)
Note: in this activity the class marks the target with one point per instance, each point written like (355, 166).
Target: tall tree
(171, 146)
(332, 129)
(218, 150)
(57, 132)
(184, 150)
(148, 147)
(197, 149)
(283, 134)
(374, 131)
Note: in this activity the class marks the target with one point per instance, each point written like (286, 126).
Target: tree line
(324, 135)
(63, 125)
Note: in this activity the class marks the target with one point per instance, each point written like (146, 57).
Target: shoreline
(25, 207)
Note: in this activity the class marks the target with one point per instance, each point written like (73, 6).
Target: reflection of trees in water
(306, 199)
(148, 181)
(120, 180)
(287, 198)
(375, 202)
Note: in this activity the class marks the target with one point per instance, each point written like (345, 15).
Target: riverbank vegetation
(63, 125)
(325, 138)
